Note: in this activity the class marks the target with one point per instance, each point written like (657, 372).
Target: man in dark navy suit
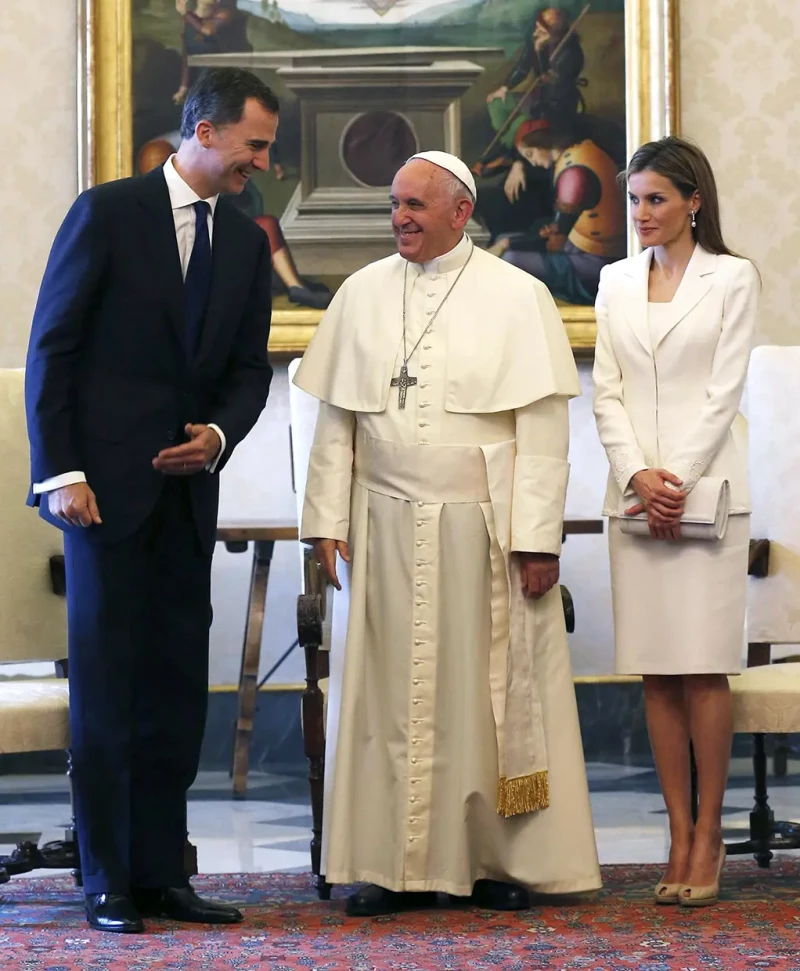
(147, 366)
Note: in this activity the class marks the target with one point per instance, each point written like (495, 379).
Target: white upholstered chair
(34, 711)
(766, 696)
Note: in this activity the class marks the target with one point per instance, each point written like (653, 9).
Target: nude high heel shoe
(691, 896)
(667, 893)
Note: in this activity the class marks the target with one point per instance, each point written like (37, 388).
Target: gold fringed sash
(523, 795)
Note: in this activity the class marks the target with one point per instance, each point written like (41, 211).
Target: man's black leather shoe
(113, 912)
(494, 895)
(372, 901)
(183, 904)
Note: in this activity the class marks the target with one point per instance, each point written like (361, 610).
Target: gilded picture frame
(105, 121)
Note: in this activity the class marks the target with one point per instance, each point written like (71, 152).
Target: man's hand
(191, 457)
(539, 573)
(74, 504)
(325, 551)
(515, 181)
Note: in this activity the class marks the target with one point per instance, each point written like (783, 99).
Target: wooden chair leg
(251, 657)
(762, 818)
(309, 631)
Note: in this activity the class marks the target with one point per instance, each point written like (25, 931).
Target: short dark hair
(219, 96)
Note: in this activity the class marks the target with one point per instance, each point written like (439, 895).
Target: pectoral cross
(403, 383)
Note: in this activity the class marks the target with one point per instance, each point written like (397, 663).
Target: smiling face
(427, 219)
(233, 152)
(661, 213)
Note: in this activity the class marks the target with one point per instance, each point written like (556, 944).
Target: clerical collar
(453, 260)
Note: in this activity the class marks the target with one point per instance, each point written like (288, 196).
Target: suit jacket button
(170, 436)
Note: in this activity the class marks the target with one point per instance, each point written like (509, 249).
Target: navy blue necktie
(198, 279)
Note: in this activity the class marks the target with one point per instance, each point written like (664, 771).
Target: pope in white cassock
(438, 475)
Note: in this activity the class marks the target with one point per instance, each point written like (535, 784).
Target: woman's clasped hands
(662, 499)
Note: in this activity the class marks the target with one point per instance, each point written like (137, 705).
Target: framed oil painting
(543, 102)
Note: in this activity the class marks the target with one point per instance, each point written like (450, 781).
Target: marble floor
(270, 829)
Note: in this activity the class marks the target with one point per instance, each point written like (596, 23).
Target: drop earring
(694, 220)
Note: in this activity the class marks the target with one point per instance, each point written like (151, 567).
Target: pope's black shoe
(183, 904)
(113, 912)
(494, 895)
(372, 901)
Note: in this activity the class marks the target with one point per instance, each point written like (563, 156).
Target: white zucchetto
(453, 164)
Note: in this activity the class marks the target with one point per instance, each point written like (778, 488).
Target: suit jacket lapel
(161, 247)
(695, 284)
(636, 298)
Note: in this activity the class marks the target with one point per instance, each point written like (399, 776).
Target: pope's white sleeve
(326, 508)
(540, 476)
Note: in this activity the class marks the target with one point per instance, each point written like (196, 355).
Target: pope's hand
(325, 551)
(74, 504)
(539, 573)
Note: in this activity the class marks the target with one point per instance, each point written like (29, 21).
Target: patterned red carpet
(755, 927)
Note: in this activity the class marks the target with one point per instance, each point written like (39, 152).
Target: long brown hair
(688, 169)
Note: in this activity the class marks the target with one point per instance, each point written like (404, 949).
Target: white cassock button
(418, 643)
(414, 761)
(420, 583)
(418, 623)
(426, 347)
(420, 504)
(425, 385)
(429, 313)
(415, 701)
(416, 681)
(432, 293)
(420, 542)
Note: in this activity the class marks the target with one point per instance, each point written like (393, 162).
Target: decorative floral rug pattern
(755, 927)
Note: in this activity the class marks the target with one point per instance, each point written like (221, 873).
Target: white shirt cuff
(58, 482)
(212, 465)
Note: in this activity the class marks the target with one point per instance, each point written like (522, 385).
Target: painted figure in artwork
(553, 58)
(587, 227)
(544, 83)
(209, 27)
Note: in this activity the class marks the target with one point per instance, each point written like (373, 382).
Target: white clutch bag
(705, 515)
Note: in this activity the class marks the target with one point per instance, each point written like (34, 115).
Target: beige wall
(38, 160)
(740, 77)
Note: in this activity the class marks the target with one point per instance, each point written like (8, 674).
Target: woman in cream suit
(675, 328)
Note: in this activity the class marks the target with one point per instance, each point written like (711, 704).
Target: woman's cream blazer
(675, 405)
